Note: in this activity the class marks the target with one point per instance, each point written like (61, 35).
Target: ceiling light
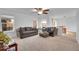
(44, 8)
(40, 12)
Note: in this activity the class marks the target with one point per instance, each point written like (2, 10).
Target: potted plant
(4, 39)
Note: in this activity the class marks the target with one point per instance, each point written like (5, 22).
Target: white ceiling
(53, 11)
(62, 10)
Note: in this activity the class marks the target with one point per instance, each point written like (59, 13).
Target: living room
(61, 20)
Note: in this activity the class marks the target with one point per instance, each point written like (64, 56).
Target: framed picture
(7, 24)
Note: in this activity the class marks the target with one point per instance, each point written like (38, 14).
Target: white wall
(77, 34)
(69, 22)
(23, 21)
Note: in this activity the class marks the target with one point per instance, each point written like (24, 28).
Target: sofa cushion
(28, 28)
(27, 32)
(22, 29)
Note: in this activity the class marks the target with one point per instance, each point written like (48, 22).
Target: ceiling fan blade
(36, 8)
(40, 8)
(45, 12)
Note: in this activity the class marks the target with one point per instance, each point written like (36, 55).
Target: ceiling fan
(41, 10)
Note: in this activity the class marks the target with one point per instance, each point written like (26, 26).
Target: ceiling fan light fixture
(40, 12)
(44, 8)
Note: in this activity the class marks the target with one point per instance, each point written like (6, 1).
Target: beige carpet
(57, 43)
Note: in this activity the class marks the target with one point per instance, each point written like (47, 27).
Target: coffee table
(44, 34)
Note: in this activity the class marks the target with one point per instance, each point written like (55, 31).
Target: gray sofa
(24, 32)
